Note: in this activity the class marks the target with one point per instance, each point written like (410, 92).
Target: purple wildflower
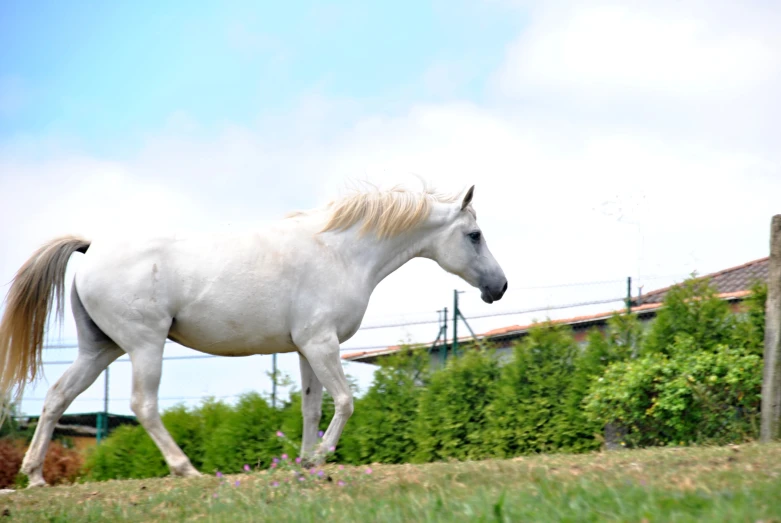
(280, 434)
(312, 471)
(301, 478)
(369, 470)
(298, 459)
(321, 473)
(219, 474)
(246, 468)
(341, 467)
(284, 456)
(320, 434)
(274, 483)
(275, 460)
(236, 484)
(215, 495)
(340, 483)
(273, 465)
(332, 448)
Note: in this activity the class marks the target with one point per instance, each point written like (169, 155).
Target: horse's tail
(35, 288)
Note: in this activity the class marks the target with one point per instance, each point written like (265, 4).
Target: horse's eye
(474, 236)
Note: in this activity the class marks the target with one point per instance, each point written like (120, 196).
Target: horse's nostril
(504, 289)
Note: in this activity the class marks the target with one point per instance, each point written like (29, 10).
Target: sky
(605, 140)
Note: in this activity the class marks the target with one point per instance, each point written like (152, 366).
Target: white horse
(301, 285)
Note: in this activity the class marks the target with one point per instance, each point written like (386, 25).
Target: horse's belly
(229, 336)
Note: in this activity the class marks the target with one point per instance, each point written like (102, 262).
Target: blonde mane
(386, 212)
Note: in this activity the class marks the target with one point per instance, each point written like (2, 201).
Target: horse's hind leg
(147, 359)
(96, 352)
(142, 335)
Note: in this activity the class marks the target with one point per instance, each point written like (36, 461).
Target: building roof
(576, 322)
(727, 281)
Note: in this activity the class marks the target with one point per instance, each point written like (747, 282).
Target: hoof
(317, 461)
(187, 471)
(37, 483)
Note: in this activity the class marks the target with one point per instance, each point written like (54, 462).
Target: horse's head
(461, 249)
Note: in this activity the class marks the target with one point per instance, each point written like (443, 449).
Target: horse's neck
(377, 259)
(389, 255)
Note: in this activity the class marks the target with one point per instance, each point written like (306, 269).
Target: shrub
(62, 465)
(453, 416)
(698, 379)
(382, 428)
(128, 453)
(245, 436)
(751, 325)
(530, 411)
(694, 310)
(689, 396)
(11, 455)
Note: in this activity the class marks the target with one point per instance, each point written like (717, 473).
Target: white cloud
(641, 49)
(707, 71)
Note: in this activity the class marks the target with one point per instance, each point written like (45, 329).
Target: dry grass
(681, 484)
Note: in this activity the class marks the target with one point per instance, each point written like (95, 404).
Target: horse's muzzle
(491, 294)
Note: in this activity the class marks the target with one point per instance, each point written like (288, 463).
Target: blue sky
(106, 72)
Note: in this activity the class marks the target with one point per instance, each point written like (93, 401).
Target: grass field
(674, 484)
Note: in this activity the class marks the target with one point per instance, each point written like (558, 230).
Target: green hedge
(452, 416)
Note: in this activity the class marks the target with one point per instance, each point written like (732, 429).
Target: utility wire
(493, 314)
(588, 283)
(526, 311)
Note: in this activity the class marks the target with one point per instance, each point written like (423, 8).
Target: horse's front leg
(322, 353)
(311, 408)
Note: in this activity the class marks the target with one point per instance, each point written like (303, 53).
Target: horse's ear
(468, 198)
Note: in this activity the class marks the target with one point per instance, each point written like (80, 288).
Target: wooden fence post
(771, 379)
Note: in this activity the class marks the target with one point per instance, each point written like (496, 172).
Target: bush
(11, 455)
(382, 428)
(751, 325)
(694, 310)
(246, 435)
(699, 378)
(215, 436)
(128, 453)
(689, 396)
(62, 465)
(530, 411)
(453, 417)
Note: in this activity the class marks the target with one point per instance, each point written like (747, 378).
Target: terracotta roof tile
(734, 279)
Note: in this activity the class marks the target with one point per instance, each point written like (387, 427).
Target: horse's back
(221, 293)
